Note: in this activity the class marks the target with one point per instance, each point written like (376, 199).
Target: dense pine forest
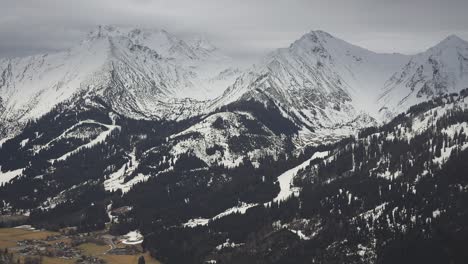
(387, 195)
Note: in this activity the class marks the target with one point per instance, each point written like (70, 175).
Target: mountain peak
(104, 31)
(201, 42)
(316, 36)
(454, 38)
(161, 41)
(126, 31)
(321, 33)
(312, 39)
(451, 41)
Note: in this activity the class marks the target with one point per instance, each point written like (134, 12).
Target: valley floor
(62, 248)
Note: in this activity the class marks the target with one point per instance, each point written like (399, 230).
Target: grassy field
(9, 237)
(100, 250)
(47, 260)
(93, 249)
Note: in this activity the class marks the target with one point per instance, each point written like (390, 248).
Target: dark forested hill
(232, 187)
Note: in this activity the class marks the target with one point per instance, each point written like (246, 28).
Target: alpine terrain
(320, 152)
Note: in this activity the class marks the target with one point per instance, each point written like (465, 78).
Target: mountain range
(319, 80)
(320, 152)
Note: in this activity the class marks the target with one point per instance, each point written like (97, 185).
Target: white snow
(196, 222)
(450, 132)
(436, 213)
(99, 139)
(286, 179)
(228, 244)
(24, 142)
(164, 76)
(27, 227)
(390, 175)
(116, 180)
(240, 209)
(109, 214)
(320, 155)
(6, 177)
(67, 132)
(374, 213)
(362, 250)
(133, 238)
(3, 140)
(208, 136)
(157, 69)
(300, 234)
(440, 69)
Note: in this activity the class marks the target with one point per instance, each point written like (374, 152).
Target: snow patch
(99, 139)
(6, 177)
(239, 209)
(228, 244)
(3, 140)
(27, 227)
(301, 235)
(133, 238)
(286, 179)
(116, 180)
(24, 142)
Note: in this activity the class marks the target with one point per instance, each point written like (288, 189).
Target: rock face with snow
(169, 142)
(441, 69)
(320, 82)
(319, 78)
(323, 82)
(140, 73)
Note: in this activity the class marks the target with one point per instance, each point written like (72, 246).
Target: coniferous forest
(387, 195)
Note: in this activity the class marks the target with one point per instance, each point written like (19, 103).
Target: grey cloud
(243, 27)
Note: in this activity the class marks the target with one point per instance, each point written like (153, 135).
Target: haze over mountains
(320, 152)
(319, 80)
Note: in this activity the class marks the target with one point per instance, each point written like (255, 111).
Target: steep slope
(328, 87)
(320, 81)
(85, 143)
(331, 87)
(441, 69)
(140, 72)
(385, 196)
(234, 179)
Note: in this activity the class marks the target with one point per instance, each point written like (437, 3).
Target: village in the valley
(25, 244)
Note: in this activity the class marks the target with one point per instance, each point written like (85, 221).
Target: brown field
(9, 237)
(47, 260)
(94, 249)
(100, 250)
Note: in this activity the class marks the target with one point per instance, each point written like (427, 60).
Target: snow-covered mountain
(321, 71)
(328, 87)
(325, 82)
(441, 69)
(138, 130)
(140, 72)
(319, 80)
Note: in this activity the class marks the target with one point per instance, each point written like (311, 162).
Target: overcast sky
(243, 27)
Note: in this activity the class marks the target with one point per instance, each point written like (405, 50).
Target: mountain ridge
(320, 81)
(292, 162)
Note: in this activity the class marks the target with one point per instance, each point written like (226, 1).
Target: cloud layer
(243, 27)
